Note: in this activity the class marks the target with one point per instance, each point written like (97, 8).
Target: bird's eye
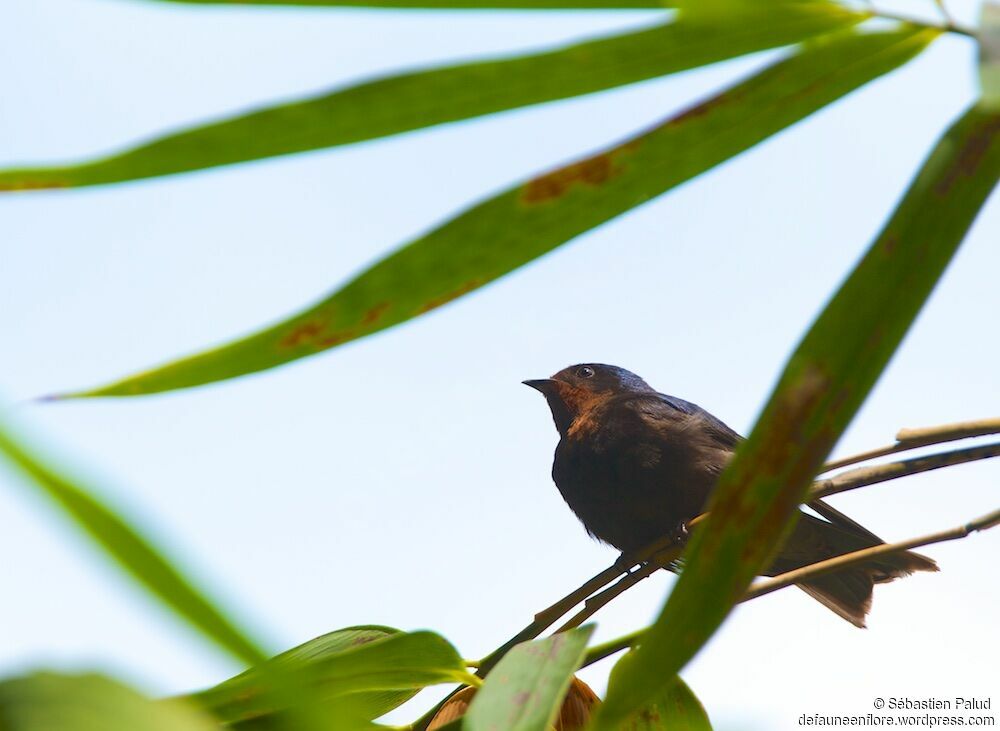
(585, 372)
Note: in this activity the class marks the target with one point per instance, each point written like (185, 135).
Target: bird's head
(579, 388)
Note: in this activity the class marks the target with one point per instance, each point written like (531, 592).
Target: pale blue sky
(404, 479)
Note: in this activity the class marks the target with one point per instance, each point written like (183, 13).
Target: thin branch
(991, 520)
(908, 439)
(609, 648)
(947, 27)
(549, 616)
(836, 563)
(944, 12)
(865, 476)
(948, 433)
(597, 601)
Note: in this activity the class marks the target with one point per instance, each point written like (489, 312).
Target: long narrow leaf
(525, 222)
(410, 101)
(525, 690)
(823, 385)
(51, 702)
(131, 550)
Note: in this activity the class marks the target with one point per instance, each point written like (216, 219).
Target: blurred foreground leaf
(50, 702)
(825, 382)
(371, 669)
(525, 690)
(130, 549)
(395, 104)
(529, 220)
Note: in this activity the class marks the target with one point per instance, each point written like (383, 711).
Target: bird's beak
(546, 386)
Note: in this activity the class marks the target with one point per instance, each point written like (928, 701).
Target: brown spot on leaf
(365, 639)
(699, 110)
(521, 698)
(303, 334)
(335, 339)
(977, 144)
(709, 105)
(649, 715)
(592, 172)
(446, 298)
(375, 313)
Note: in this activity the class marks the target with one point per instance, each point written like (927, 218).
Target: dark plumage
(635, 465)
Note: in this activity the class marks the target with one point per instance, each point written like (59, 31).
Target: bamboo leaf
(245, 697)
(674, 708)
(51, 702)
(529, 220)
(823, 385)
(525, 690)
(370, 670)
(130, 550)
(410, 101)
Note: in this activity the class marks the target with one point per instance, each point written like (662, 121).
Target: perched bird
(635, 465)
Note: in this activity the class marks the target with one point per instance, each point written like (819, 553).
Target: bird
(636, 465)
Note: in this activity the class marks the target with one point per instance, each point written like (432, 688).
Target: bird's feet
(680, 534)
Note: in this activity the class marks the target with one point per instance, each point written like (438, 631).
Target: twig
(949, 432)
(946, 27)
(597, 601)
(944, 12)
(609, 648)
(908, 439)
(991, 520)
(849, 559)
(865, 476)
(547, 617)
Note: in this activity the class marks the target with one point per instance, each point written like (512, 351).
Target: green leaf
(130, 549)
(243, 697)
(989, 54)
(674, 708)
(410, 101)
(51, 702)
(525, 690)
(529, 220)
(377, 668)
(823, 385)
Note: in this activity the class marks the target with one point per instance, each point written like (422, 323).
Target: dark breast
(633, 474)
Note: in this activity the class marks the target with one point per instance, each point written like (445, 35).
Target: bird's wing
(715, 428)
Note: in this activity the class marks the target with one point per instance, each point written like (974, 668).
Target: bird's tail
(847, 592)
